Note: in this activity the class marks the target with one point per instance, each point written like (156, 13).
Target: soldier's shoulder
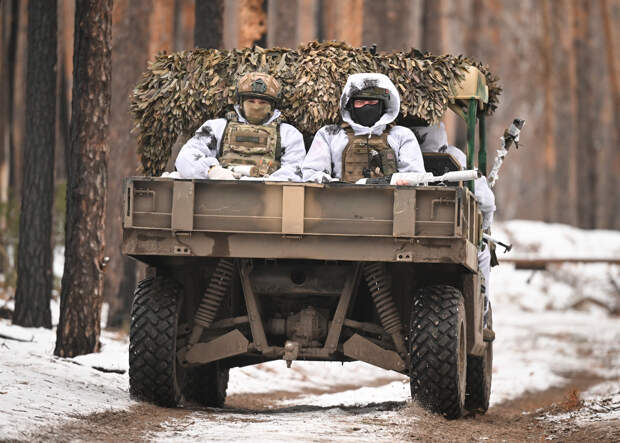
(288, 127)
(400, 130)
(332, 129)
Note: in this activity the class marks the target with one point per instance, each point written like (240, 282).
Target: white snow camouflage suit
(323, 162)
(435, 139)
(199, 154)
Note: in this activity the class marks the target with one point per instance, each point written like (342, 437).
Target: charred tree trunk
(34, 264)
(208, 24)
(82, 282)
(129, 56)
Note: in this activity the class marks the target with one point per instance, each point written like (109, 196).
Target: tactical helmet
(373, 93)
(369, 114)
(258, 85)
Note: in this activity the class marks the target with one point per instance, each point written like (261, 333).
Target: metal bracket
(335, 329)
(362, 349)
(254, 316)
(227, 345)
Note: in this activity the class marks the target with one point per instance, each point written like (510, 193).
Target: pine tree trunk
(548, 81)
(386, 24)
(130, 31)
(17, 67)
(209, 22)
(612, 219)
(586, 152)
(432, 24)
(281, 23)
(34, 265)
(566, 114)
(8, 38)
(82, 283)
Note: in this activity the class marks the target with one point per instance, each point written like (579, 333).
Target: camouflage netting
(182, 90)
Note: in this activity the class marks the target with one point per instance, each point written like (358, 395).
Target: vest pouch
(246, 144)
(363, 155)
(247, 150)
(388, 161)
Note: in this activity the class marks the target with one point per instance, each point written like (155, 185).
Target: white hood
(431, 138)
(357, 82)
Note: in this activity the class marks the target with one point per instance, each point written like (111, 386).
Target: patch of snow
(374, 423)
(397, 391)
(305, 376)
(59, 261)
(38, 389)
(601, 403)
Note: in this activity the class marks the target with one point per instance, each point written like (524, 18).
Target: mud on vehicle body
(247, 272)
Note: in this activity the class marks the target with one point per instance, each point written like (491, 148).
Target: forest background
(557, 61)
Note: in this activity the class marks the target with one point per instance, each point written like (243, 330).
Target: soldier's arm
(317, 166)
(199, 153)
(293, 153)
(486, 201)
(407, 149)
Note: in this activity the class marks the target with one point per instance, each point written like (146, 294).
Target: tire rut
(516, 420)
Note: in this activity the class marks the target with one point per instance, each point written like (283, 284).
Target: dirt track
(256, 417)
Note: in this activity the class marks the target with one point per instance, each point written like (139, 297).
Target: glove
(173, 174)
(219, 173)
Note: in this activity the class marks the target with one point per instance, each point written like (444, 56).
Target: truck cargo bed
(166, 217)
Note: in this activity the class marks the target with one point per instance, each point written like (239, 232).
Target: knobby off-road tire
(153, 370)
(479, 376)
(206, 385)
(438, 353)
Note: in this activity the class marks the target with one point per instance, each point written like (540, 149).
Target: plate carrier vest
(363, 155)
(248, 144)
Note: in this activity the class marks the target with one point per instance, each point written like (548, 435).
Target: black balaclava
(367, 115)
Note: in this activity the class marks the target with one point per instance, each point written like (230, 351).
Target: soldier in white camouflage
(434, 138)
(367, 144)
(251, 141)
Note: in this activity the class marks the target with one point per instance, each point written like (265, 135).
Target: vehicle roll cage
(469, 100)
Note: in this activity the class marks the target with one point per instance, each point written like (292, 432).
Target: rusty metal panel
(183, 206)
(293, 209)
(404, 212)
(360, 348)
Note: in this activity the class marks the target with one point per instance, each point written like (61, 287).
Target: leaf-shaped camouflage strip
(179, 91)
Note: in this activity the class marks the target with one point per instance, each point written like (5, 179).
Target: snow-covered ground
(549, 324)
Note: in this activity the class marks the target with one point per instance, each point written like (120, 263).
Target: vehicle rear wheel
(479, 376)
(437, 349)
(154, 374)
(207, 384)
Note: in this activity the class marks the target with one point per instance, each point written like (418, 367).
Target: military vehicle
(243, 272)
